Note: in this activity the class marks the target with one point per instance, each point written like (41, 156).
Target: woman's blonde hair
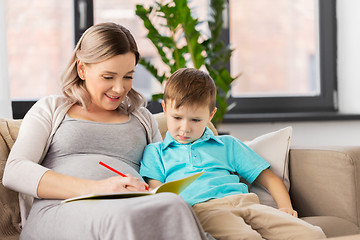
(98, 43)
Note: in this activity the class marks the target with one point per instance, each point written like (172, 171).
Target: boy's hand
(154, 183)
(290, 211)
(278, 191)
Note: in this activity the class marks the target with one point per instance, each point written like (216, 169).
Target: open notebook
(176, 186)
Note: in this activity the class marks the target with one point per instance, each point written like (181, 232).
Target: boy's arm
(153, 183)
(151, 167)
(277, 190)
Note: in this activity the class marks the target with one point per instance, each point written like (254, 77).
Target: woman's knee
(172, 198)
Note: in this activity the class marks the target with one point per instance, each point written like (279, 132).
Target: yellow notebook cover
(176, 186)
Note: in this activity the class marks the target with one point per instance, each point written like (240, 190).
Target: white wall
(326, 132)
(348, 55)
(322, 133)
(5, 102)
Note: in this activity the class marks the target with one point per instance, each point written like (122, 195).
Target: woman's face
(108, 82)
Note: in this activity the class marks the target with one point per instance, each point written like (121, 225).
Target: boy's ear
(163, 106)
(212, 114)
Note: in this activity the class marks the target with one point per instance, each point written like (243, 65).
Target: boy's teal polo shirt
(218, 156)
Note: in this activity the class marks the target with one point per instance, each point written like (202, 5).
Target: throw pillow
(274, 148)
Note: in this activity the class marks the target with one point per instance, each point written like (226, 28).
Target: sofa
(325, 185)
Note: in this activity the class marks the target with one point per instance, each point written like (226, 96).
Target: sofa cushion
(333, 226)
(9, 201)
(274, 148)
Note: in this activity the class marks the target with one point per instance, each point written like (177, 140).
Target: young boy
(223, 205)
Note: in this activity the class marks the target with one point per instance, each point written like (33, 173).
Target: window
(312, 88)
(39, 43)
(285, 52)
(123, 12)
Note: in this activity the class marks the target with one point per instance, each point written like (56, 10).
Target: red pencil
(116, 171)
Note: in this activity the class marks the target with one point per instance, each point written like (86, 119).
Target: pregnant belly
(87, 166)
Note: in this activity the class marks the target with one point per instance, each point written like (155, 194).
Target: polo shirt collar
(207, 135)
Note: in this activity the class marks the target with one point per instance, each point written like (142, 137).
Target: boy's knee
(247, 235)
(318, 233)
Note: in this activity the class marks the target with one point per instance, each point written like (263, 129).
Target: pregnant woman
(99, 117)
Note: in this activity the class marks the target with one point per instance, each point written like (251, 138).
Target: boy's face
(187, 123)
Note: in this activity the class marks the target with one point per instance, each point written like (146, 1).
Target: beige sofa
(325, 186)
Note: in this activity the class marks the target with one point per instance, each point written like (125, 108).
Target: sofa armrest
(326, 182)
(9, 201)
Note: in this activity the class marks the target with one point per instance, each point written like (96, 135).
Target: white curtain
(5, 101)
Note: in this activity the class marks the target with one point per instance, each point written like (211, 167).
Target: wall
(322, 133)
(326, 132)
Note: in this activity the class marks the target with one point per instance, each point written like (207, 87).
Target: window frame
(88, 17)
(326, 101)
(258, 107)
(20, 108)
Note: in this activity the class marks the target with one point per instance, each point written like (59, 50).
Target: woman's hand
(54, 185)
(119, 184)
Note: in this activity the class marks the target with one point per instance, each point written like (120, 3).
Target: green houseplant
(184, 45)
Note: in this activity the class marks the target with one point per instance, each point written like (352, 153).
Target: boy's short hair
(190, 86)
